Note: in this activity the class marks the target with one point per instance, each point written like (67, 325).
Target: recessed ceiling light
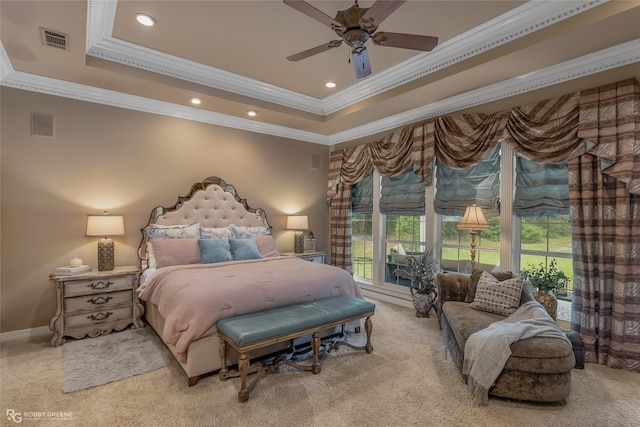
(330, 85)
(145, 20)
(195, 101)
(252, 113)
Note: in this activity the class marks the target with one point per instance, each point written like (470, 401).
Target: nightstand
(95, 303)
(318, 257)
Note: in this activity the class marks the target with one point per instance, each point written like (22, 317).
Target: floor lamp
(473, 220)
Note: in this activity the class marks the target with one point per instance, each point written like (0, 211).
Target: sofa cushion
(475, 276)
(498, 297)
(453, 286)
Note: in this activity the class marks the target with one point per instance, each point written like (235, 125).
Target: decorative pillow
(175, 252)
(215, 233)
(191, 231)
(475, 276)
(242, 232)
(245, 249)
(497, 297)
(214, 250)
(267, 246)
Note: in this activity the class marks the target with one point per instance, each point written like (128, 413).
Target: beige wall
(126, 162)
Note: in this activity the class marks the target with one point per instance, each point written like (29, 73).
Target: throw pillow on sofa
(475, 276)
(497, 297)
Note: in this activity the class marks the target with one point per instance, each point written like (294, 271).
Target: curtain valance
(603, 121)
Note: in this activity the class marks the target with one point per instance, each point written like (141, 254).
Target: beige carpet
(408, 380)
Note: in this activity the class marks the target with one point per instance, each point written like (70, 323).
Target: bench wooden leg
(368, 327)
(224, 349)
(315, 345)
(243, 367)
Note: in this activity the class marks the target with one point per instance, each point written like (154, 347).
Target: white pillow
(190, 231)
(215, 233)
(243, 232)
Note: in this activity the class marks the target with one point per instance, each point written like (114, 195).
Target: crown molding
(607, 59)
(523, 20)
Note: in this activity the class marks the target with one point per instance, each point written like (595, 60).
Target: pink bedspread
(193, 297)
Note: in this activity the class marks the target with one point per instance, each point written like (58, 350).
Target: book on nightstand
(70, 271)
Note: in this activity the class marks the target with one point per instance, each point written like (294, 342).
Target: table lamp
(298, 223)
(105, 226)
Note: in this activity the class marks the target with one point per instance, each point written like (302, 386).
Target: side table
(95, 303)
(318, 257)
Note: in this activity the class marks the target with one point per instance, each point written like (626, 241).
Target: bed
(211, 256)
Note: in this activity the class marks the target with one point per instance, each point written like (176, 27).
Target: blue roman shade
(458, 188)
(542, 189)
(362, 195)
(402, 195)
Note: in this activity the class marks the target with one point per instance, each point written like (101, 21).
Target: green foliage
(546, 279)
(532, 234)
(423, 272)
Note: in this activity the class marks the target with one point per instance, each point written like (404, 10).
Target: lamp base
(105, 254)
(298, 242)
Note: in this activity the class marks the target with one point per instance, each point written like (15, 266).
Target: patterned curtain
(604, 191)
(606, 251)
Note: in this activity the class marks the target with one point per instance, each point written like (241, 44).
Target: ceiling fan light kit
(355, 26)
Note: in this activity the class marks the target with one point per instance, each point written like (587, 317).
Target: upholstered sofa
(539, 368)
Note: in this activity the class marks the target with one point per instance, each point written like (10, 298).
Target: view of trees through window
(545, 238)
(362, 245)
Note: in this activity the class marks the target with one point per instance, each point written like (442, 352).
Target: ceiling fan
(355, 26)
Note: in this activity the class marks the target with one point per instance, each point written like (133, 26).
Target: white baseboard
(397, 300)
(25, 334)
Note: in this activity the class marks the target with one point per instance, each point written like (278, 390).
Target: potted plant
(547, 282)
(422, 271)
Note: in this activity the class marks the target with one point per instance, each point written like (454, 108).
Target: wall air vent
(53, 38)
(42, 125)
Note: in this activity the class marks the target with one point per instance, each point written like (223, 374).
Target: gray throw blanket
(487, 351)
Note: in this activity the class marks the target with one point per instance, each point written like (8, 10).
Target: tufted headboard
(213, 203)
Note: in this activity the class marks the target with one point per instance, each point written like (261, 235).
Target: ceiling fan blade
(378, 12)
(361, 65)
(314, 51)
(407, 41)
(314, 13)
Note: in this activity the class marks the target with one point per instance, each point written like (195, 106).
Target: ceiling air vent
(53, 38)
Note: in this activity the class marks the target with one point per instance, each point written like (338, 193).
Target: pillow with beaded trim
(498, 297)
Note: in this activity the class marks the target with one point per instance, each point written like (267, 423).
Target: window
(362, 245)
(527, 226)
(362, 227)
(455, 190)
(545, 238)
(455, 252)
(542, 203)
(405, 236)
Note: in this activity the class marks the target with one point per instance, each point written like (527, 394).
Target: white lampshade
(297, 222)
(473, 219)
(105, 225)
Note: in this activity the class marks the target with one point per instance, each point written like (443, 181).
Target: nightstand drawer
(314, 258)
(97, 317)
(97, 286)
(97, 301)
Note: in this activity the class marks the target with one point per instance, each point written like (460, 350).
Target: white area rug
(95, 361)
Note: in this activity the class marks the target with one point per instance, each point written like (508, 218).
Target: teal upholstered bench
(251, 331)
